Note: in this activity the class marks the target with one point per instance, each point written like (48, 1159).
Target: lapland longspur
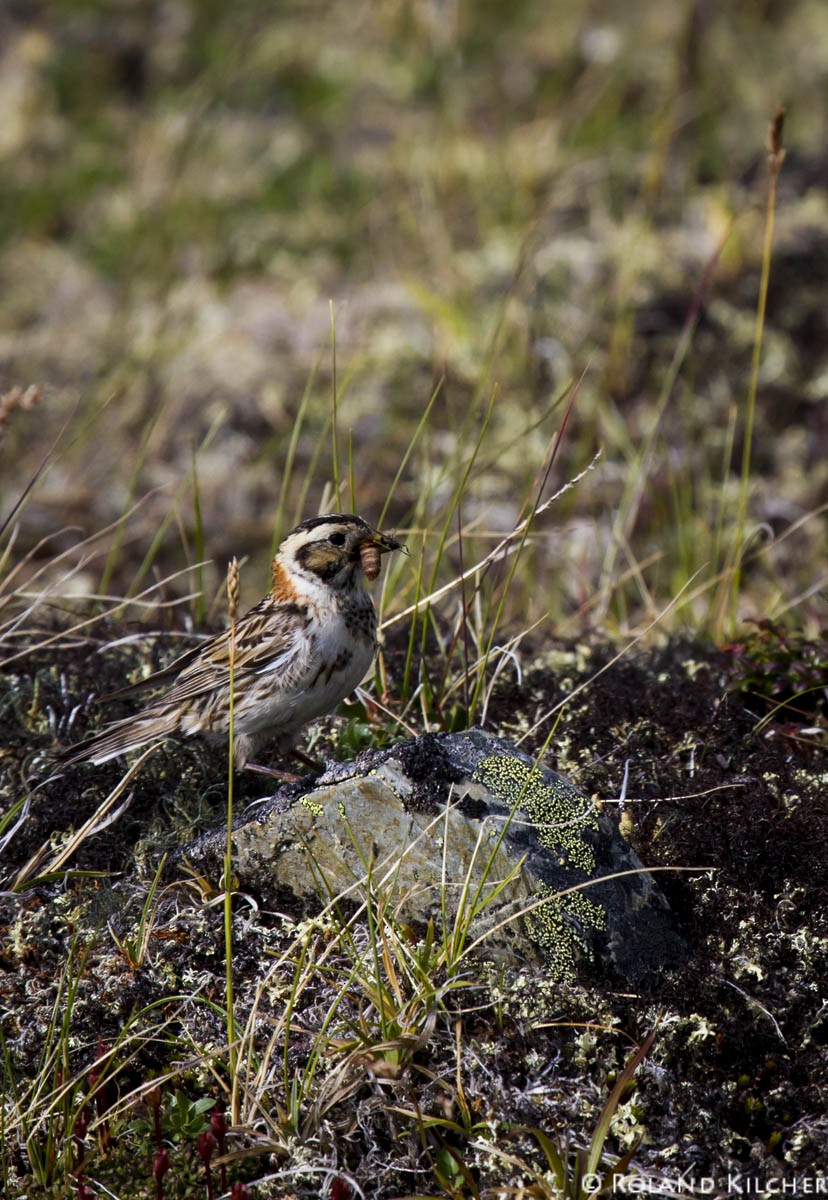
(297, 653)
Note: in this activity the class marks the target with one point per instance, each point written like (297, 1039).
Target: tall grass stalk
(311, 472)
(638, 470)
(448, 522)
(534, 506)
(232, 1049)
(722, 508)
(415, 439)
(334, 416)
(132, 487)
(199, 607)
(32, 481)
(502, 547)
(41, 1108)
(575, 1173)
(625, 649)
(351, 474)
(776, 156)
(49, 592)
(104, 815)
(161, 533)
(286, 474)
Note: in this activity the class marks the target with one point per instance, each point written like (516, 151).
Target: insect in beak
(370, 551)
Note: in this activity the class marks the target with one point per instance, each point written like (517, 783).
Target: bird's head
(332, 549)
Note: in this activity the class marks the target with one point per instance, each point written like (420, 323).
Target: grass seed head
(233, 588)
(14, 401)
(776, 149)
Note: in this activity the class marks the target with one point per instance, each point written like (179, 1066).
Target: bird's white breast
(328, 661)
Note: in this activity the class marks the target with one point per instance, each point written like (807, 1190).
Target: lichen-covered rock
(461, 828)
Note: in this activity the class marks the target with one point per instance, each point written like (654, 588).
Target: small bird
(296, 654)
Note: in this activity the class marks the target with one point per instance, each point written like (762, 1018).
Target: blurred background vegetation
(490, 200)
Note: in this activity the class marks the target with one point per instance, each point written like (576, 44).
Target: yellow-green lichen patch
(313, 808)
(552, 927)
(558, 810)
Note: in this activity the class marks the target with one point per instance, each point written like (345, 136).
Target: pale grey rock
(460, 827)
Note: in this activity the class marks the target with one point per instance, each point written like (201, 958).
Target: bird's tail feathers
(133, 733)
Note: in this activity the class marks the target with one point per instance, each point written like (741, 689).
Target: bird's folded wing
(267, 638)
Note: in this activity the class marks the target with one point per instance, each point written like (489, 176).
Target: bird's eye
(337, 539)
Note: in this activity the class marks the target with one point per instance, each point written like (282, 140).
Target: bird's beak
(385, 542)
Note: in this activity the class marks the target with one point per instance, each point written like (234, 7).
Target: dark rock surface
(463, 827)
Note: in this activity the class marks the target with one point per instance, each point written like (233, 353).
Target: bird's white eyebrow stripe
(329, 519)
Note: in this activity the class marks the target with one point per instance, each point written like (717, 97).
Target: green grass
(478, 209)
(382, 998)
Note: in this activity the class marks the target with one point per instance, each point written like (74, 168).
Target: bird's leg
(285, 776)
(288, 776)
